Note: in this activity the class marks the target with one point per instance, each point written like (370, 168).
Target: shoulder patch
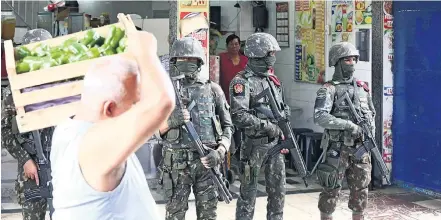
(239, 89)
(327, 85)
(363, 84)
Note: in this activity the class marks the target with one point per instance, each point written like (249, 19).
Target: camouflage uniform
(342, 136)
(20, 146)
(260, 134)
(182, 167)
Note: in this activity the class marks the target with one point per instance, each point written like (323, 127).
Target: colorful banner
(310, 41)
(342, 21)
(363, 13)
(388, 52)
(193, 20)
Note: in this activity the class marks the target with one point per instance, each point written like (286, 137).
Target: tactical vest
(203, 117)
(358, 92)
(258, 84)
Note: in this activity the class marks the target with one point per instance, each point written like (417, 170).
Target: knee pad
(328, 176)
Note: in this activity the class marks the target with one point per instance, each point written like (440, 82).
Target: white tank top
(75, 199)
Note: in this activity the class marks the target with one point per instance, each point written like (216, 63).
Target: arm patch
(238, 89)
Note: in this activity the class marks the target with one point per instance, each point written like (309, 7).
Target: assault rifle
(215, 173)
(44, 173)
(277, 113)
(370, 144)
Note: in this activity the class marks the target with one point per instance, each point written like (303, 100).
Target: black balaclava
(190, 69)
(343, 71)
(260, 66)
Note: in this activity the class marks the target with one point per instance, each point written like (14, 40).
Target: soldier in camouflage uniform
(342, 135)
(21, 146)
(260, 133)
(182, 166)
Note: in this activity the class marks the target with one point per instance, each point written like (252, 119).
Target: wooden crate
(51, 116)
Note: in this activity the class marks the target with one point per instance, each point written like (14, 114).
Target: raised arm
(108, 143)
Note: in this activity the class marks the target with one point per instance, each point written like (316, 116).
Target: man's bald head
(110, 87)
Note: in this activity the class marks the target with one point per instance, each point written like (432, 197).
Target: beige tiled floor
(304, 207)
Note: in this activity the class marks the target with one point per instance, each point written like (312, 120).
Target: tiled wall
(298, 95)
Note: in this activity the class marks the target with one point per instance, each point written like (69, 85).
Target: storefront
(307, 29)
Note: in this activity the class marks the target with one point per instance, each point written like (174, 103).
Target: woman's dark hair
(231, 38)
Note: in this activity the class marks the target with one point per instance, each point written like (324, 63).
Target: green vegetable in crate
(92, 38)
(123, 43)
(77, 48)
(119, 50)
(77, 58)
(67, 43)
(33, 62)
(55, 50)
(109, 51)
(63, 59)
(22, 67)
(41, 50)
(22, 52)
(97, 42)
(88, 38)
(93, 53)
(56, 54)
(119, 34)
(106, 50)
(110, 35)
(48, 63)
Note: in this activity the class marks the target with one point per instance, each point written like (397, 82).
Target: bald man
(96, 174)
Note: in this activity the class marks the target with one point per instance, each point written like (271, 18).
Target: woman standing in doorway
(231, 62)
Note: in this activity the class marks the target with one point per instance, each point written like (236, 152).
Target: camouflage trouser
(275, 181)
(358, 174)
(34, 209)
(185, 171)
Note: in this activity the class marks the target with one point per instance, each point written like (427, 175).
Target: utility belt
(257, 140)
(177, 159)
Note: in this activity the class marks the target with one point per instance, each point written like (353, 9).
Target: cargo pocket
(327, 176)
(167, 184)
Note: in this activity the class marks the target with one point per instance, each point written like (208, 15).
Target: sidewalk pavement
(391, 203)
(388, 204)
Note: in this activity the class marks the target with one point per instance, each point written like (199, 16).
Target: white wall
(229, 15)
(300, 96)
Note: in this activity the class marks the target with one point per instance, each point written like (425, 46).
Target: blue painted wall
(417, 94)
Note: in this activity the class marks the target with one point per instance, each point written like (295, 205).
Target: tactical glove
(177, 118)
(273, 130)
(356, 131)
(214, 157)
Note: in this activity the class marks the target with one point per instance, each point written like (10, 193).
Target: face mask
(262, 65)
(270, 60)
(347, 70)
(189, 69)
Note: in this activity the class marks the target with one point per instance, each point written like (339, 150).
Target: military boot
(357, 216)
(324, 216)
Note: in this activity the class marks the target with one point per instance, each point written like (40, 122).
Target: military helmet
(341, 50)
(36, 35)
(258, 45)
(187, 47)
